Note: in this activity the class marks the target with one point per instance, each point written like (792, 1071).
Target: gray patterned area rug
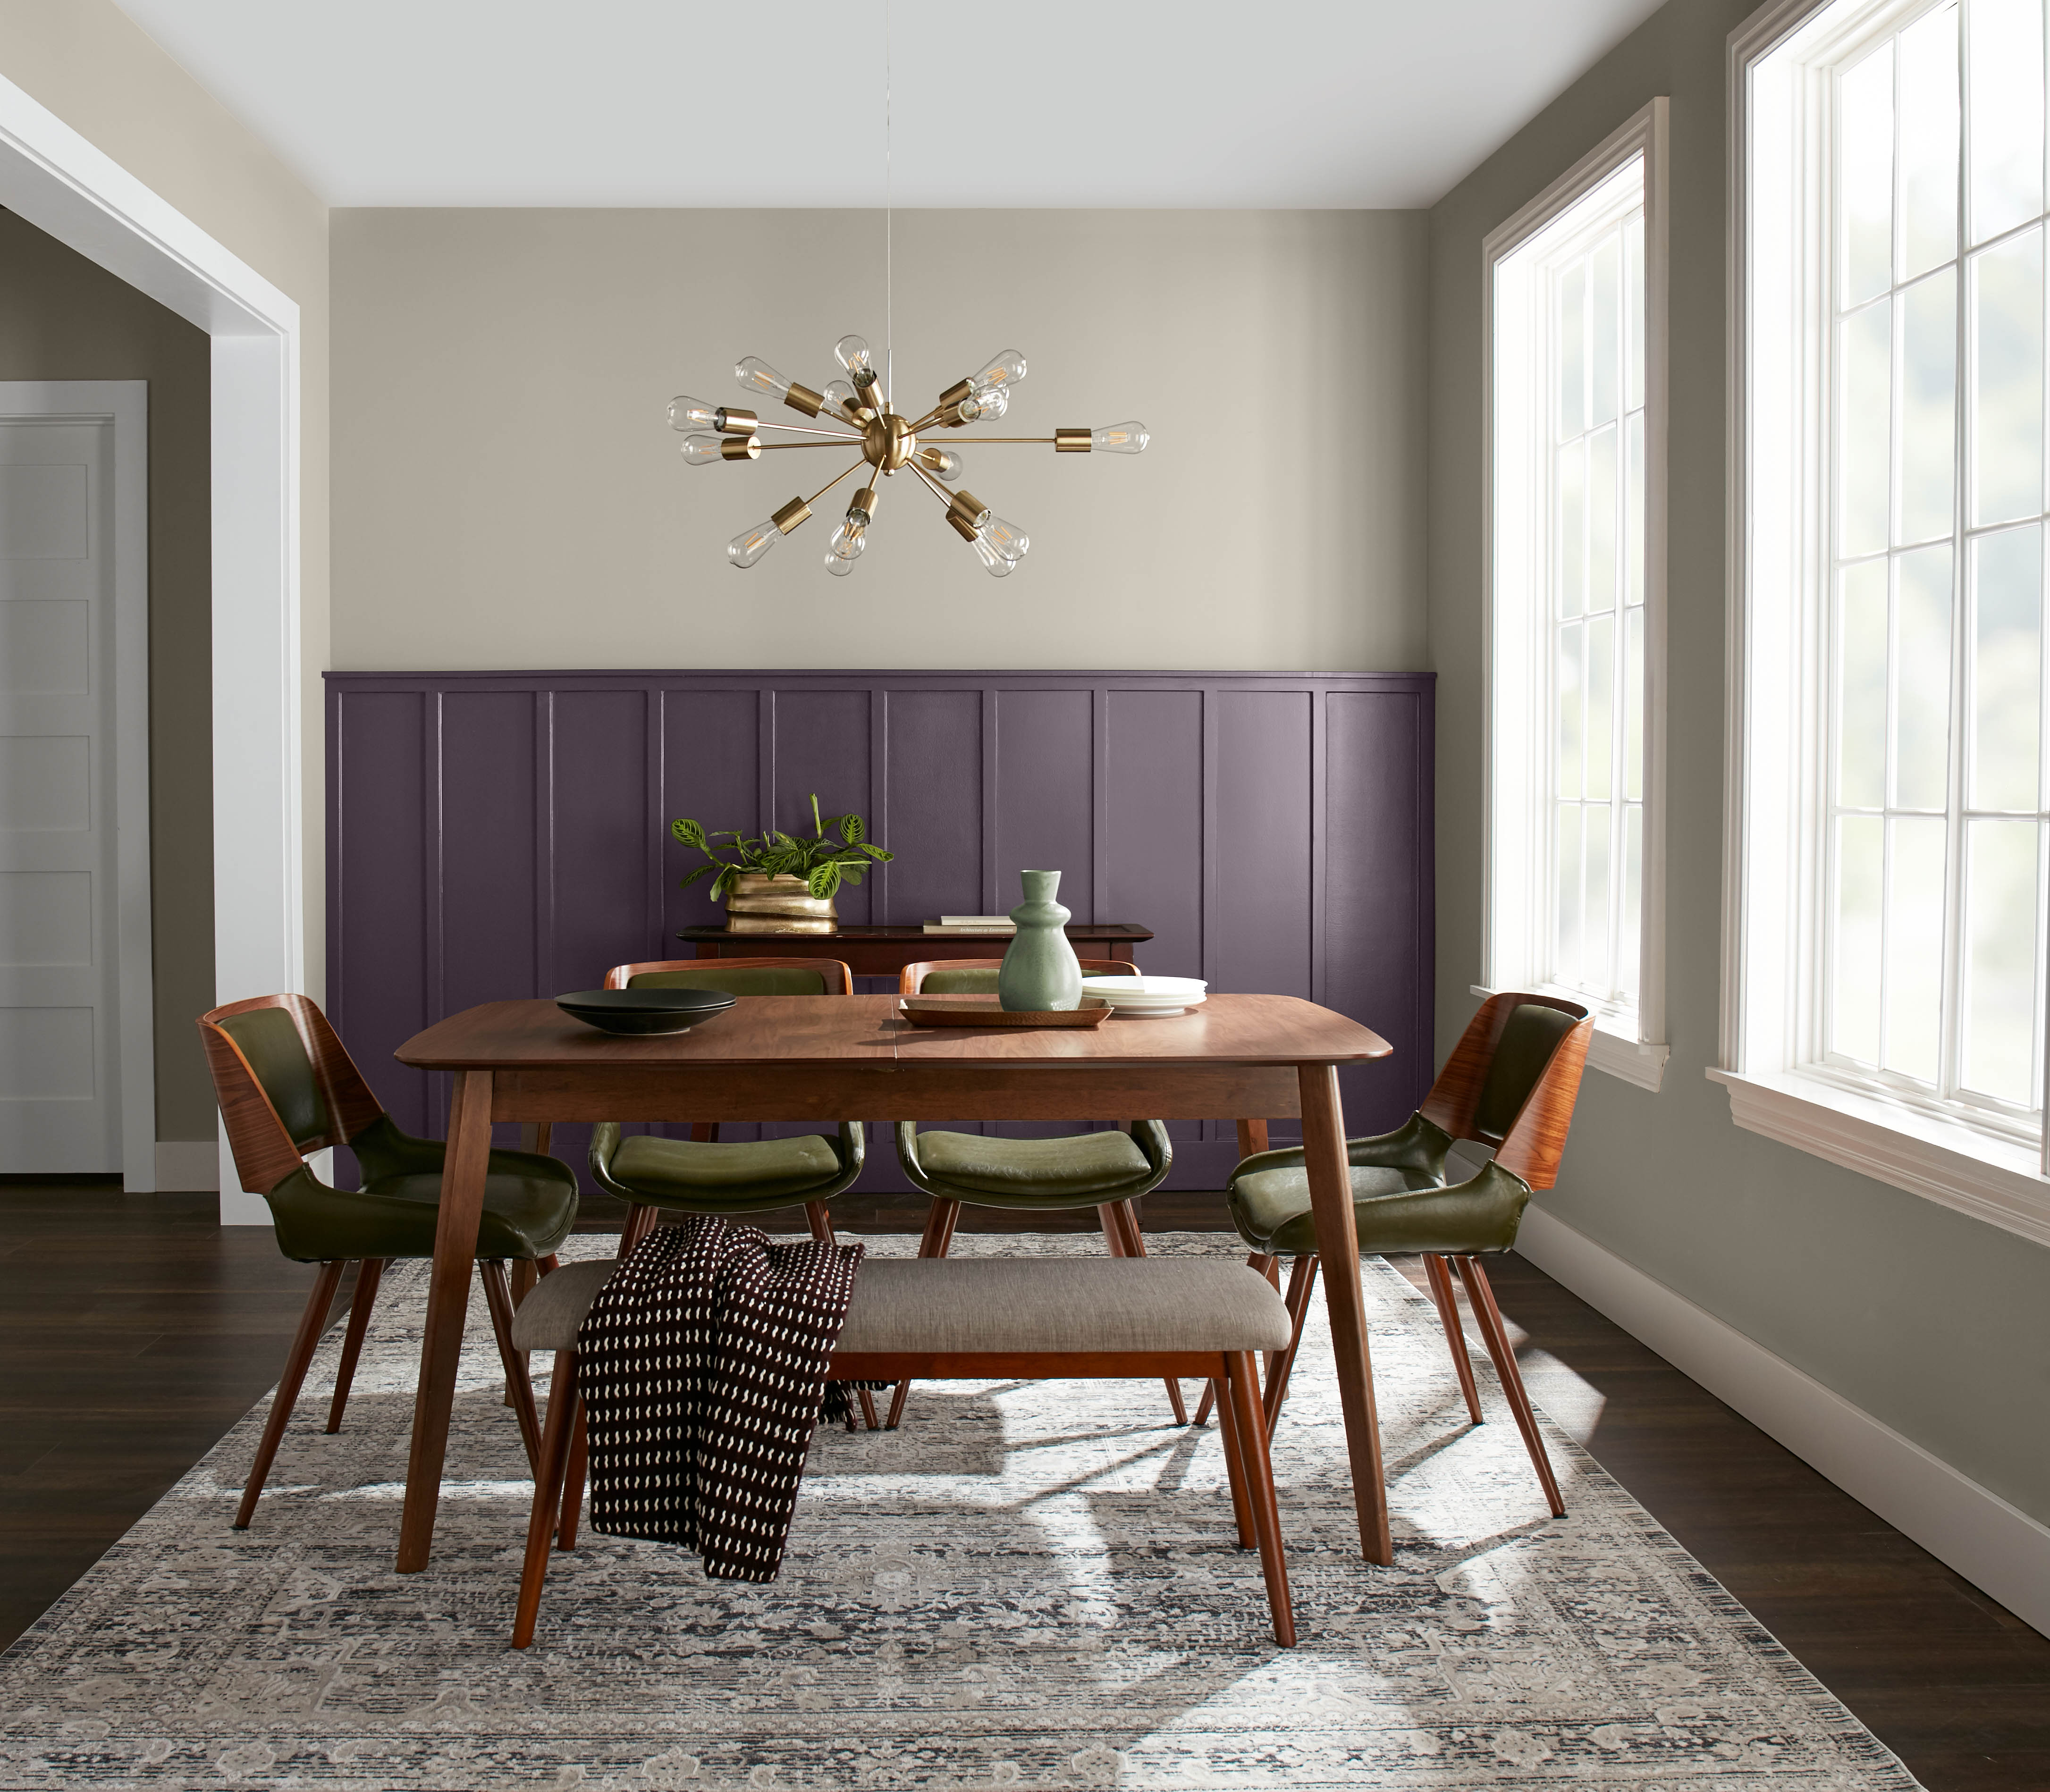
(1029, 1586)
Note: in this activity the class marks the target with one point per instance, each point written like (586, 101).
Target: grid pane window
(1937, 830)
(1594, 410)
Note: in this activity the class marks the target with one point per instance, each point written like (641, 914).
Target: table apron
(945, 1092)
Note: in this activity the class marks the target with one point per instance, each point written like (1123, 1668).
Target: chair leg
(573, 1479)
(641, 1218)
(1234, 1462)
(1265, 1265)
(1489, 1317)
(498, 1298)
(820, 1220)
(1455, 1335)
(1242, 1393)
(941, 1219)
(1302, 1284)
(524, 1273)
(564, 1399)
(1123, 1238)
(313, 1323)
(368, 1274)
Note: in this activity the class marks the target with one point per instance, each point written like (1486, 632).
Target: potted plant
(776, 883)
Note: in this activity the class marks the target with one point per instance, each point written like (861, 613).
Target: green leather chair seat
(1396, 1208)
(709, 1177)
(1032, 1173)
(530, 1204)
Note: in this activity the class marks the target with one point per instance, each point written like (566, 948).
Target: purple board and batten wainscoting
(493, 834)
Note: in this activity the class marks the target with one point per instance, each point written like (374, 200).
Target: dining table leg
(1344, 1299)
(1251, 1138)
(448, 1304)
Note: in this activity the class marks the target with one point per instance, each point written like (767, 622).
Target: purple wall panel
(505, 834)
(1045, 796)
(823, 747)
(711, 772)
(1259, 937)
(933, 782)
(1378, 927)
(606, 838)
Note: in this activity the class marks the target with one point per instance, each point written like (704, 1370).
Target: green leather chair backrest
(780, 979)
(1521, 1054)
(267, 1038)
(959, 983)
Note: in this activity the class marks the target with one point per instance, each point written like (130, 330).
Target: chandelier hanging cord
(887, 442)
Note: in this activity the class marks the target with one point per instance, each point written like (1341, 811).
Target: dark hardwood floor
(135, 1331)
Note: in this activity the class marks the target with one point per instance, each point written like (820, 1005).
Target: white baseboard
(187, 1164)
(1996, 1546)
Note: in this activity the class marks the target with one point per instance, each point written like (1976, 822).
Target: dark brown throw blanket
(703, 1363)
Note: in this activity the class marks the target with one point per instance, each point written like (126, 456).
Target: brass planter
(756, 904)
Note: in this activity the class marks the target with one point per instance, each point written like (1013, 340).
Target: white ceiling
(1051, 102)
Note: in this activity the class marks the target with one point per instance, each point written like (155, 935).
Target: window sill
(1953, 1164)
(1611, 1049)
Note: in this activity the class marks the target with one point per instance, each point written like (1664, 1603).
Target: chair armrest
(1416, 1144)
(852, 1147)
(604, 1145)
(1151, 1136)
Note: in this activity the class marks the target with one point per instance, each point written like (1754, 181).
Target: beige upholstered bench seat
(958, 1306)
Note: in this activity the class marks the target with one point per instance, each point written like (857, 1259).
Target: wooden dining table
(834, 1057)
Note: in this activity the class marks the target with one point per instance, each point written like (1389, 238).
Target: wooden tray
(982, 1010)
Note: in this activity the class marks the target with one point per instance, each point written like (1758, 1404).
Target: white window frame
(1628, 1043)
(1781, 61)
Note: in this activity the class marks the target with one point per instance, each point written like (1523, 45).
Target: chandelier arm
(801, 429)
(829, 484)
(931, 417)
(932, 484)
(978, 440)
(835, 441)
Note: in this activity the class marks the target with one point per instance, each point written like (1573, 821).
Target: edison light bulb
(1007, 538)
(1003, 370)
(849, 540)
(839, 398)
(758, 376)
(1120, 438)
(983, 407)
(838, 567)
(748, 546)
(942, 463)
(702, 451)
(997, 565)
(852, 353)
(692, 414)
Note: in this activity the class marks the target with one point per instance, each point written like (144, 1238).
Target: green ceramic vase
(1041, 972)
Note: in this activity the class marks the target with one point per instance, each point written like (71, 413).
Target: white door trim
(64, 185)
(124, 403)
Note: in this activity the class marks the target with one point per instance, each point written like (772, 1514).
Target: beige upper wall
(90, 64)
(507, 492)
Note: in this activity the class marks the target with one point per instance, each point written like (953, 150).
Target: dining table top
(791, 1030)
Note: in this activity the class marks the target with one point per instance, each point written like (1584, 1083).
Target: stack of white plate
(1148, 998)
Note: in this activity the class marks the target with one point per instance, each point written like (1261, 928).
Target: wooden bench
(985, 1318)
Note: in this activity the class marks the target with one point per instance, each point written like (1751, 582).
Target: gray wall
(1933, 1322)
(507, 492)
(61, 317)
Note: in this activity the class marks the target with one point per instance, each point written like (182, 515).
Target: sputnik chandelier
(888, 444)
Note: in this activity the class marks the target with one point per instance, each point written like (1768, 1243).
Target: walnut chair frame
(1119, 1220)
(265, 1155)
(1529, 1148)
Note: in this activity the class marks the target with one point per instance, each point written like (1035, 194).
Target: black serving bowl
(644, 1010)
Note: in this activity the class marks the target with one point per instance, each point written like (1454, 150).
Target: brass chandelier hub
(887, 442)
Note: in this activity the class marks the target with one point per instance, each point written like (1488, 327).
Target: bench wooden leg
(498, 1299)
(1122, 1238)
(312, 1325)
(368, 1275)
(941, 1219)
(1234, 1465)
(1448, 1315)
(573, 1479)
(1242, 1400)
(564, 1402)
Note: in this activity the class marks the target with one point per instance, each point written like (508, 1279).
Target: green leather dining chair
(1106, 1170)
(287, 1088)
(1510, 1084)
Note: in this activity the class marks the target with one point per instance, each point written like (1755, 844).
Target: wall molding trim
(1995, 1545)
(188, 1165)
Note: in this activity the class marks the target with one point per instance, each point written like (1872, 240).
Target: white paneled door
(67, 723)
